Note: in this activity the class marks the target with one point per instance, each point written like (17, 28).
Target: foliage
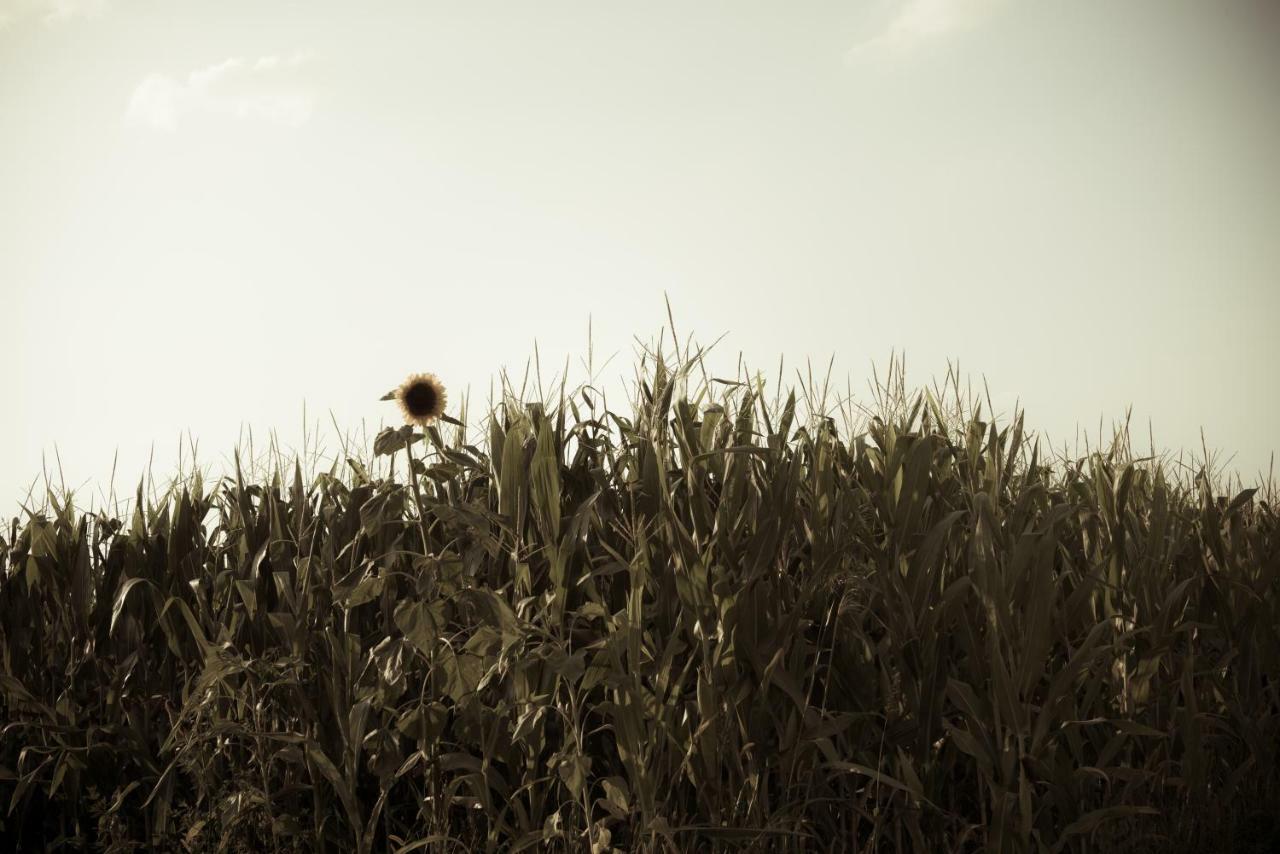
(701, 625)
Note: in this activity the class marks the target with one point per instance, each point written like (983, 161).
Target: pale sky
(213, 211)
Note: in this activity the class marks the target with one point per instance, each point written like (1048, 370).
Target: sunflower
(422, 398)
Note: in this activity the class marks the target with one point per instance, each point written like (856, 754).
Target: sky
(213, 214)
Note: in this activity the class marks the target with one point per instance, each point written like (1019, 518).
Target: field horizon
(844, 407)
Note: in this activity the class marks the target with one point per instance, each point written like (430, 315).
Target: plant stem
(417, 497)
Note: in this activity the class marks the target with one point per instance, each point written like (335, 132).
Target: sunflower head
(422, 398)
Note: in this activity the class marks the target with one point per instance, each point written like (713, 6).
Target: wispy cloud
(61, 10)
(235, 88)
(915, 22)
(48, 11)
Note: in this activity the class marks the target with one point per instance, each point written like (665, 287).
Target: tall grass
(709, 622)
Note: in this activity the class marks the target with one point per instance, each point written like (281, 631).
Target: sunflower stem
(417, 497)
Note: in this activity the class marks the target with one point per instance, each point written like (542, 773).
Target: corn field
(714, 621)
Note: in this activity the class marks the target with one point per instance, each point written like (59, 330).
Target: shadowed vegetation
(707, 623)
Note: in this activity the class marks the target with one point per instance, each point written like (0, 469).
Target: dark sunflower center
(421, 399)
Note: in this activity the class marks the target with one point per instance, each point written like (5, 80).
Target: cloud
(49, 11)
(237, 88)
(61, 10)
(915, 22)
